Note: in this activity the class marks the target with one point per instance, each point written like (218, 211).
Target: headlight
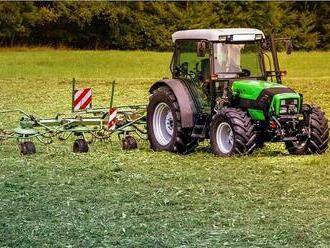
(222, 38)
(283, 110)
(289, 106)
(292, 109)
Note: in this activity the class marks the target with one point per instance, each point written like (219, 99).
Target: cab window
(189, 62)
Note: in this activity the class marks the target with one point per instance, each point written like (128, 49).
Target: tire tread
(319, 135)
(244, 130)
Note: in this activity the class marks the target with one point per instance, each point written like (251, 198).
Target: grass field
(145, 199)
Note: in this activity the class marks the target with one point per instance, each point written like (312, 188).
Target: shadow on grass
(269, 153)
(261, 152)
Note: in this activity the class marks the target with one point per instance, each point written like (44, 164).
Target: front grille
(289, 106)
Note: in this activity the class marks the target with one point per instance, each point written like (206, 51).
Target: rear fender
(183, 96)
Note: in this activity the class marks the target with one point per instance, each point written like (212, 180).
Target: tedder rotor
(85, 122)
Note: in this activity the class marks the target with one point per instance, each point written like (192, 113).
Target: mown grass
(145, 199)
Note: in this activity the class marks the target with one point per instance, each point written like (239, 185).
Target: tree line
(149, 25)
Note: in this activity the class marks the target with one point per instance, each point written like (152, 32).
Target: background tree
(149, 25)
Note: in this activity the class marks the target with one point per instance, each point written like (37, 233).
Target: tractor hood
(251, 89)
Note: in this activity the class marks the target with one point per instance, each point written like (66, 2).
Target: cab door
(192, 65)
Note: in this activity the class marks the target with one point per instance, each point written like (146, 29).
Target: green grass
(145, 199)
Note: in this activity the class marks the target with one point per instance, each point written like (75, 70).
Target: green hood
(251, 89)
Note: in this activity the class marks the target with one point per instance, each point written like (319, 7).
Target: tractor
(226, 86)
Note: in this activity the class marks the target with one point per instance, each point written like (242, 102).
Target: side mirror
(201, 48)
(265, 44)
(289, 47)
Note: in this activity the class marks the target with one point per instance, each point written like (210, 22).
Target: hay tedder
(85, 122)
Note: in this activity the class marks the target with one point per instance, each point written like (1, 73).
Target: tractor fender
(184, 98)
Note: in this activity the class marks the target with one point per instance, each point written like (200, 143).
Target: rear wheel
(129, 143)
(317, 124)
(165, 132)
(80, 146)
(232, 132)
(27, 148)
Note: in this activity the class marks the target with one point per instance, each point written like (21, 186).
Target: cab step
(200, 129)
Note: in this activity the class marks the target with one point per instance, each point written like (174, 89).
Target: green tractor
(226, 86)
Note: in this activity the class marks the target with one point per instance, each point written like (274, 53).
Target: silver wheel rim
(225, 137)
(163, 124)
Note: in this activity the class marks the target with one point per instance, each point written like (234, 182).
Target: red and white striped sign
(112, 119)
(82, 99)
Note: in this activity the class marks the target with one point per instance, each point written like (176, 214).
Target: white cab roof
(213, 34)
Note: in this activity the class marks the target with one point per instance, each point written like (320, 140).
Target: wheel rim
(225, 137)
(163, 124)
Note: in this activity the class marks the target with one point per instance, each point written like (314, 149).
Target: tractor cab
(212, 59)
(213, 54)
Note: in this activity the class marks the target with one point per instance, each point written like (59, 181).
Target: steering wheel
(245, 73)
(181, 69)
(184, 68)
(192, 74)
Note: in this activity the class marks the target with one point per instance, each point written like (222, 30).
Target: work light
(222, 38)
(283, 110)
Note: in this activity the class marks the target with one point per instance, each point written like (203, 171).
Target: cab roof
(213, 34)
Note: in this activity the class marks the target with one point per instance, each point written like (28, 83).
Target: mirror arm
(275, 59)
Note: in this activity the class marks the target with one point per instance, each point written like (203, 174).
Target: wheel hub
(169, 123)
(225, 137)
(163, 124)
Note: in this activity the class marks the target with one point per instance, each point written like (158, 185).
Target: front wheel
(317, 142)
(232, 132)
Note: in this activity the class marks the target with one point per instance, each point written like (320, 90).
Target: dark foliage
(148, 25)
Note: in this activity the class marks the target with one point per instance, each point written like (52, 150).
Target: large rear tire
(232, 133)
(165, 132)
(319, 134)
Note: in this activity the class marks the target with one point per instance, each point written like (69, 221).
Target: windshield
(236, 60)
